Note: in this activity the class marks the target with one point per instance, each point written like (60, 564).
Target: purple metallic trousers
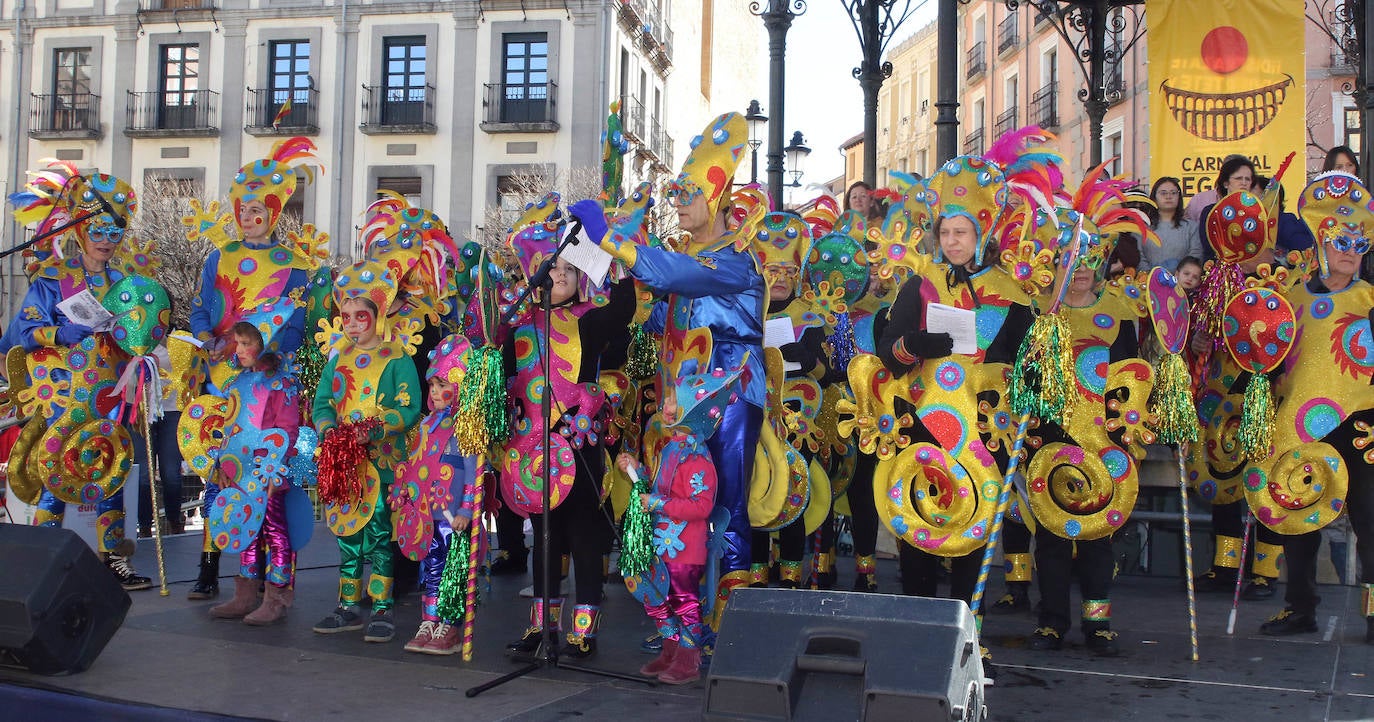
(272, 547)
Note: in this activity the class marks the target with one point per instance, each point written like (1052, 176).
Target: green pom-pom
(1256, 430)
(1176, 416)
(637, 534)
(1042, 379)
(453, 584)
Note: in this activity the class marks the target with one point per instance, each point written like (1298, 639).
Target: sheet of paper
(778, 332)
(959, 323)
(85, 309)
(588, 257)
(188, 338)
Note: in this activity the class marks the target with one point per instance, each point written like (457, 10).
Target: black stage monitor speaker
(59, 605)
(792, 654)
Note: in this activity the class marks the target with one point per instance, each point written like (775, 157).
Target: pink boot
(245, 599)
(662, 661)
(685, 667)
(275, 601)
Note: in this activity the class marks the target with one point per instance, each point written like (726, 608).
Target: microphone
(107, 208)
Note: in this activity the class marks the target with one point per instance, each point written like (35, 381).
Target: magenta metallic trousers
(272, 547)
(679, 616)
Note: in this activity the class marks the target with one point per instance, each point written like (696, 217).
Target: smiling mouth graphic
(1224, 117)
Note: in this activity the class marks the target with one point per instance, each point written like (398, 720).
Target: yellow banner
(1226, 76)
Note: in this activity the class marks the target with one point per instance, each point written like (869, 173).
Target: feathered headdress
(273, 180)
(415, 244)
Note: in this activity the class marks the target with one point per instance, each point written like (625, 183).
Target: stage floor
(171, 654)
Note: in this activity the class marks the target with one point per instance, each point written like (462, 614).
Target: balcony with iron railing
(520, 108)
(179, 114)
(1043, 17)
(1044, 106)
(976, 59)
(662, 53)
(398, 111)
(1005, 123)
(1007, 35)
(633, 119)
(175, 5)
(302, 117)
(663, 148)
(1343, 60)
(63, 116)
(973, 142)
(632, 14)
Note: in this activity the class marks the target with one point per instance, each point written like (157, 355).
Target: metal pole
(947, 82)
(1365, 85)
(777, 20)
(1096, 104)
(872, 81)
(753, 163)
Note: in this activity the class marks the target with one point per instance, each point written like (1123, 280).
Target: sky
(824, 101)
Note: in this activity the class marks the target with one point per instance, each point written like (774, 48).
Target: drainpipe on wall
(343, 229)
(15, 178)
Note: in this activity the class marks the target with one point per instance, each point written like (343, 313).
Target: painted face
(441, 393)
(359, 322)
(670, 409)
(958, 240)
(254, 220)
(247, 350)
(565, 278)
(1189, 276)
(782, 280)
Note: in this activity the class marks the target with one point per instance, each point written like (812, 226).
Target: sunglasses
(1349, 244)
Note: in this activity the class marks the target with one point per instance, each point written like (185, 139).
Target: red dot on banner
(1225, 49)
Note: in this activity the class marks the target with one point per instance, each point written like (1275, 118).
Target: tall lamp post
(796, 152)
(757, 122)
(875, 21)
(1084, 25)
(777, 18)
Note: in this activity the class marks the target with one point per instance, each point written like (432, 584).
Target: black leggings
(580, 527)
(863, 510)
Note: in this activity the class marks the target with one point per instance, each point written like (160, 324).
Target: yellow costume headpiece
(1340, 211)
(710, 167)
(272, 180)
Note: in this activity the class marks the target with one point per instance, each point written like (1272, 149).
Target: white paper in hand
(959, 323)
(778, 332)
(83, 308)
(588, 257)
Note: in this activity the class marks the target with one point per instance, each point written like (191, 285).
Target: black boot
(207, 584)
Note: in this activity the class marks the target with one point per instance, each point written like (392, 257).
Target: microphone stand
(51, 232)
(547, 654)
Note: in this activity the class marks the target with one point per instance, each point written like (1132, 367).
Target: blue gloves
(592, 217)
(73, 334)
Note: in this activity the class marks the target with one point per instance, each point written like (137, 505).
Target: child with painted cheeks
(368, 390)
(443, 484)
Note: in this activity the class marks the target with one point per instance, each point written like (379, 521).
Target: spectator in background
(1204, 199)
(1237, 174)
(1343, 159)
(1178, 234)
(860, 198)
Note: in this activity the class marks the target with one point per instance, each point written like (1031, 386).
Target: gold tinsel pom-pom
(1173, 402)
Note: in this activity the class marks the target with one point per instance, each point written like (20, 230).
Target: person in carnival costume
(712, 312)
(953, 431)
(680, 499)
(1242, 239)
(249, 514)
(584, 318)
(440, 482)
(368, 398)
(1325, 408)
(1082, 477)
(243, 274)
(73, 369)
(780, 241)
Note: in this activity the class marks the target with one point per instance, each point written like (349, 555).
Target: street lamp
(757, 123)
(875, 21)
(777, 18)
(796, 153)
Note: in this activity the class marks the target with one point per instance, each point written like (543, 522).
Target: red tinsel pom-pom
(341, 454)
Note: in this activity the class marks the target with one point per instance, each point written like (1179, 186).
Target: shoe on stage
(1289, 622)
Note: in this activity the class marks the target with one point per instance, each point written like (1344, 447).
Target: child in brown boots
(254, 474)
